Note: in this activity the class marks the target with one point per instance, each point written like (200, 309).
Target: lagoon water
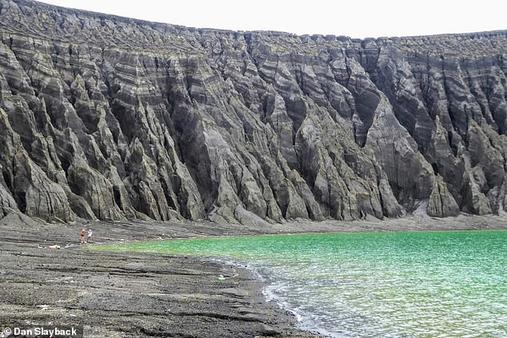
(389, 284)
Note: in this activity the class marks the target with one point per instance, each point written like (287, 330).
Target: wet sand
(148, 295)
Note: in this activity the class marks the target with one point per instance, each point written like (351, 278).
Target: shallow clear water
(390, 284)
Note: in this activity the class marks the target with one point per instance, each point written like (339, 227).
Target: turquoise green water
(397, 284)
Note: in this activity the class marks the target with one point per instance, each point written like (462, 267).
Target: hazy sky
(355, 18)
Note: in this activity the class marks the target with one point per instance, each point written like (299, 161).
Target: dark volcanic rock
(113, 118)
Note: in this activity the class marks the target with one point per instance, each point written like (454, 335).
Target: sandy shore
(145, 295)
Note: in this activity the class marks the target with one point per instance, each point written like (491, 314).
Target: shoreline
(204, 237)
(270, 297)
(192, 230)
(128, 294)
(455, 225)
(145, 294)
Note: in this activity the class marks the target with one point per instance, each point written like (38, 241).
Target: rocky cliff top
(41, 20)
(111, 118)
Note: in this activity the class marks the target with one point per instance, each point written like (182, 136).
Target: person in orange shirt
(82, 235)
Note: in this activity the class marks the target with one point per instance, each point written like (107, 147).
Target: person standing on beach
(82, 235)
(89, 236)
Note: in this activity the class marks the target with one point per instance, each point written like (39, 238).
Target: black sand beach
(143, 295)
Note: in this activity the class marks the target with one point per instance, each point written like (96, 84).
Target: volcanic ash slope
(112, 118)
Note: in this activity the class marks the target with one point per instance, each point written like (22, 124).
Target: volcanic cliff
(111, 118)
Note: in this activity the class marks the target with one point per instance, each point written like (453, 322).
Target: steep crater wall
(112, 118)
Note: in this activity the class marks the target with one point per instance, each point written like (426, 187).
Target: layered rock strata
(110, 118)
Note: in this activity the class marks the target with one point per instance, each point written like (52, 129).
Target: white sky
(355, 18)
